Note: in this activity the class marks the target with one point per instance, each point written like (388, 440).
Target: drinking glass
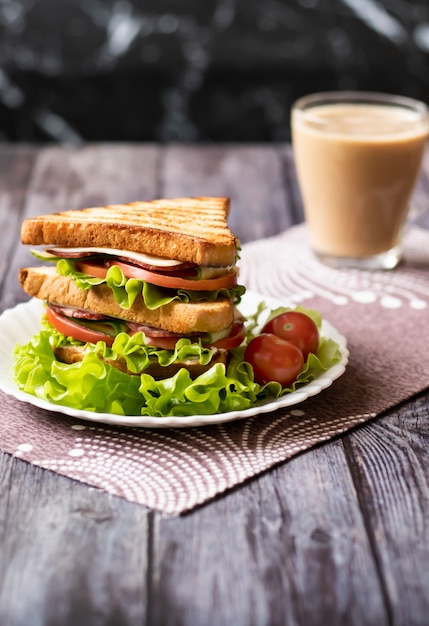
(358, 157)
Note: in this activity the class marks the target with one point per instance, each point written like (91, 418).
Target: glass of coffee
(357, 157)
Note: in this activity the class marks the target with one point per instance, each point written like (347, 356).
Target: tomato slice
(97, 270)
(169, 280)
(68, 327)
(234, 339)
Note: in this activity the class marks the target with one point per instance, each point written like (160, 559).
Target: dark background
(196, 70)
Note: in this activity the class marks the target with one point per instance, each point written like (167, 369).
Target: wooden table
(338, 535)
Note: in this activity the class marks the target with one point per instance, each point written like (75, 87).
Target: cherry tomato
(296, 327)
(169, 280)
(274, 358)
(68, 327)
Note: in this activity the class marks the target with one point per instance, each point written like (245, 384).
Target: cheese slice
(136, 256)
(50, 253)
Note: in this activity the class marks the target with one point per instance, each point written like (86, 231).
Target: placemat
(384, 316)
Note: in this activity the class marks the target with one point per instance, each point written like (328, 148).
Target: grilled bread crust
(186, 229)
(176, 317)
(73, 354)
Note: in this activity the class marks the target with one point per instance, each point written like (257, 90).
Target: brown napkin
(384, 316)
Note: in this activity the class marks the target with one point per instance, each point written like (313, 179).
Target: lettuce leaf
(211, 392)
(126, 290)
(94, 385)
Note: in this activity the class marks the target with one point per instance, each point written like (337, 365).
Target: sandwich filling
(89, 327)
(136, 281)
(140, 312)
(159, 281)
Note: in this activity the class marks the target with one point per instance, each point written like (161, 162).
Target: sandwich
(146, 288)
(140, 313)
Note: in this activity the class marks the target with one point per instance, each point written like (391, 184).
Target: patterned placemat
(384, 316)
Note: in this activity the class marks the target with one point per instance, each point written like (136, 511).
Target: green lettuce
(125, 290)
(93, 384)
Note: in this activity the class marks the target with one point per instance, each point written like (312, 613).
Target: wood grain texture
(252, 177)
(15, 171)
(339, 535)
(288, 549)
(390, 463)
(296, 208)
(419, 208)
(70, 554)
(73, 178)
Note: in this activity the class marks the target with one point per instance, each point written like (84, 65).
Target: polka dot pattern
(171, 471)
(174, 470)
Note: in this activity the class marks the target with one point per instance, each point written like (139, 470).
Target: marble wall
(196, 70)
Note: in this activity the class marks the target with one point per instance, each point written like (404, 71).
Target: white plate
(19, 324)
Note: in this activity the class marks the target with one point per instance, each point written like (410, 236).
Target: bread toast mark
(186, 229)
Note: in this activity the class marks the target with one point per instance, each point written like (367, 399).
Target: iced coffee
(358, 157)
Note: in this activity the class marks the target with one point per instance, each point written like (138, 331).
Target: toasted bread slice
(176, 317)
(74, 354)
(186, 229)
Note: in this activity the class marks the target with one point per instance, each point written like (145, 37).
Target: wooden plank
(15, 170)
(289, 548)
(390, 462)
(419, 203)
(112, 173)
(251, 176)
(72, 178)
(69, 554)
(291, 182)
(304, 544)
